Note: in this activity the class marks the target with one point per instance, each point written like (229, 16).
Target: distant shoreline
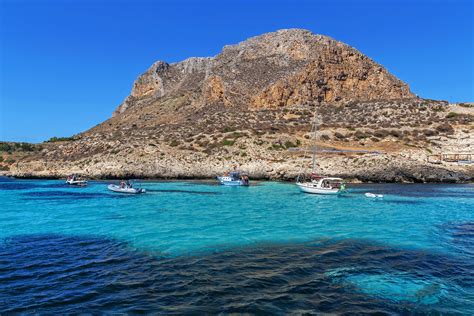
(208, 179)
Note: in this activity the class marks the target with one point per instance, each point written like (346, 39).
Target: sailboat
(318, 184)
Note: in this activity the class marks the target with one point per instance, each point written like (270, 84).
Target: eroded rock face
(287, 67)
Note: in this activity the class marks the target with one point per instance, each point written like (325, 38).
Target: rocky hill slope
(252, 105)
(284, 68)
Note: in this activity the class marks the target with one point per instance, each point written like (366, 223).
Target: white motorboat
(125, 189)
(317, 184)
(75, 180)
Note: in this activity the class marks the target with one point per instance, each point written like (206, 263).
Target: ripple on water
(182, 191)
(60, 274)
(64, 195)
(460, 236)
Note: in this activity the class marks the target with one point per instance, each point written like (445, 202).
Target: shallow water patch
(393, 286)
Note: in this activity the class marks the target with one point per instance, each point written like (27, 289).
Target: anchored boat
(322, 185)
(125, 187)
(76, 180)
(233, 178)
(373, 195)
(317, 184)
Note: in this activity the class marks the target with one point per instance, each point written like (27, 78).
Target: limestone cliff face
(276, 69)
(163, 79)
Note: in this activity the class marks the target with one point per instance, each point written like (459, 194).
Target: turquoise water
(176, 220)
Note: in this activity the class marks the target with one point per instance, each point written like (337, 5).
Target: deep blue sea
(200, 248)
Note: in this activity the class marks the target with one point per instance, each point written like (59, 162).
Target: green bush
(227, 142)
(5, 147)
(452, 115)
(26, 147)
(9, 147)
(59, 139)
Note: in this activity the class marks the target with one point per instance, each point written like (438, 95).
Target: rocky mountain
(252, 105)
(284, 68)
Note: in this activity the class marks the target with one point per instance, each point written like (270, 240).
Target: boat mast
(314, 141)
(313, 149)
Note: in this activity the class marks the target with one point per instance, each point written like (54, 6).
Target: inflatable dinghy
(373, 196)
(128, 190)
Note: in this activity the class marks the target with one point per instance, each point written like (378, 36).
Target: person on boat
(122, 184)
(129, 184)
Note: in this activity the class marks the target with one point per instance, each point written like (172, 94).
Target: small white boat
(233, 178)
(373, 196)
(323, 185)
(75, 180)
(125, 189)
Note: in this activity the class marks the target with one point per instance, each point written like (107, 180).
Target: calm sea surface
(195, 247)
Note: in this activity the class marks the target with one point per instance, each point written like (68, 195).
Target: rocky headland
(252, 105)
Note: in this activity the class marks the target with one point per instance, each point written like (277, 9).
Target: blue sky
(66, 65)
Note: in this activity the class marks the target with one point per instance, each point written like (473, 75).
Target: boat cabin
(331, 183)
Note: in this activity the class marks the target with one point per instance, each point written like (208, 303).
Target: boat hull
(77, 182)
(118, 189)
(231, 182)
(310, 188)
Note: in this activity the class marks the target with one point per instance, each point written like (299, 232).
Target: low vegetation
(13, 147)
(60, 139)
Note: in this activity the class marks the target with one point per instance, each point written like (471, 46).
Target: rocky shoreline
(386, 168)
